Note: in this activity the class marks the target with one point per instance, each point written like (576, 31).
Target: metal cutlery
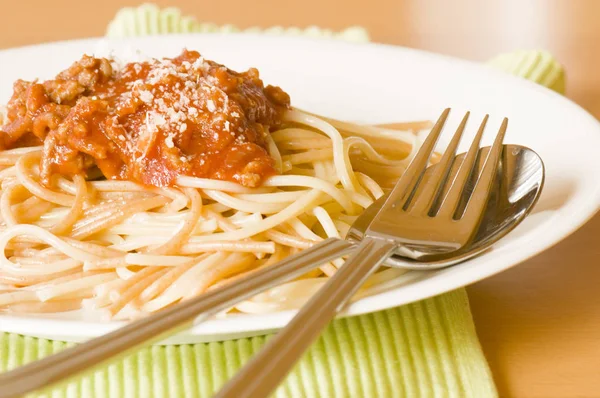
(441, 216)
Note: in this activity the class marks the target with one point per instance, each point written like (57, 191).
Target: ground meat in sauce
(149, 121)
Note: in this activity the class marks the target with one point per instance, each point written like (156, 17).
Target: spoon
(518, 187)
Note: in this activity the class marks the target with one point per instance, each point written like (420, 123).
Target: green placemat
(424, 349)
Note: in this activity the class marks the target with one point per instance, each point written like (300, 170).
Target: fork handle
(261, 376)
(89, 355)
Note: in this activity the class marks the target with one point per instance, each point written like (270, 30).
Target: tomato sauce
(149, 121)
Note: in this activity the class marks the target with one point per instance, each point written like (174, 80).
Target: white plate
(371, 83)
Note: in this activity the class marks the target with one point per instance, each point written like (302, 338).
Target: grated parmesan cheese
(146, 96)
(169, 141)
(210, 105)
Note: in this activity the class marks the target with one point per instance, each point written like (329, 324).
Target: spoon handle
(153, 328)
(261, 376)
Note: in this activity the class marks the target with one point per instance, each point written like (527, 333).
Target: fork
(443, 212)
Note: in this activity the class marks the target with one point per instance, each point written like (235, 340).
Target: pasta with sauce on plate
(127, 189)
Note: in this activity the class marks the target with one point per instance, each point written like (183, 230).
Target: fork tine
(435, 184)
(481, 193)
(411, 176)
(452, 199)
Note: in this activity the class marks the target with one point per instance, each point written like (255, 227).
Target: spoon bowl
(517, 188)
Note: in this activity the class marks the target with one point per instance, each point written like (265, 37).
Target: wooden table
(539, 323)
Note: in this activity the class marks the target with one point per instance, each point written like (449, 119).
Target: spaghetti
(128, 226)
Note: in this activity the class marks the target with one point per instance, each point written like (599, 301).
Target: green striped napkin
(425, 349)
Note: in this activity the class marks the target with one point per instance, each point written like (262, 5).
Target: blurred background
(539, 323)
